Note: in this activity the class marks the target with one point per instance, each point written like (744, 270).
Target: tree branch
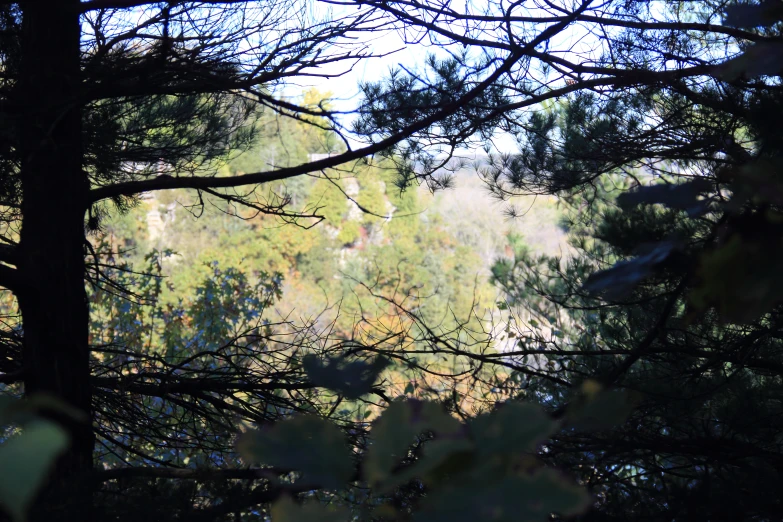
(260, 495)
(10, 278)
(186, 473)
(126, 4)
(168, 384)
(200, 182)
(644, 345)
(9, 254)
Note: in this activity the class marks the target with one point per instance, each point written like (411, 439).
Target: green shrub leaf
(351, 379)
(513, 499)
(26, 459)
(396, 430)
(306, 443)
(286, 510)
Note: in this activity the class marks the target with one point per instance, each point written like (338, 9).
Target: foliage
(482, 468)
(307, 444)
(351, 379)
(672, 295)
(27, 457)
(174, 355)
(286, 510)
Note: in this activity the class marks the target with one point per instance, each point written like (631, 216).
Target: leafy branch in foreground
(31, 446)
(484, 468)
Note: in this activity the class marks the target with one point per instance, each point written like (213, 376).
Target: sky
(345, 91)
(391, 51)
(343, 81)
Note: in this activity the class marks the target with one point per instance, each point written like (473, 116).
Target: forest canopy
(231, 298)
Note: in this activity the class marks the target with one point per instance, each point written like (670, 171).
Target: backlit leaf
(286, 510)
(25, 461)
(600, 410)
(352, 379)
(618, 281)
(513, 499)
(760, 59)
(306, 443)
(682, 196)
(396, 430)
(765, 13)
(514, 427)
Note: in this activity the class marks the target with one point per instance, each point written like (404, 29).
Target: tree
(108, 99)
(104, 101)
(672, 295)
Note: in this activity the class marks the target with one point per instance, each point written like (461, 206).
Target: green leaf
(29, 409)
(396, 429)
(515, 427)
(25, 461)
(513, 499)
(680, 196)
(306, 443)
(765, 13)
(6, 409)
(618, 281)
(764, 58)
(439, 459)
(351, 379)
(286, 510)
(741, 275)
(605, 410)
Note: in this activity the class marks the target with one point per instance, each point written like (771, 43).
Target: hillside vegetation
(364, 236)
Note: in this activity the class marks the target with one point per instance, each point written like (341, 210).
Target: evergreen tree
(671, 294)
(104, 101)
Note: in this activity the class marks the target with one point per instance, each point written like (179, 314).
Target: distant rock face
(476, 218)
(157, 220)
(317, 157)
(352, 190)
(154, 224)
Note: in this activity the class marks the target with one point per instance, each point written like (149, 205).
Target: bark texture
(52, 294)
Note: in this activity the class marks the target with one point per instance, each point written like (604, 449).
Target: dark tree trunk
(52, 297)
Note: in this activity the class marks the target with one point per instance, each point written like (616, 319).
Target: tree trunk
(52, 297)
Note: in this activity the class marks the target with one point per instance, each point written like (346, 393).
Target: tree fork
(52, 294)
